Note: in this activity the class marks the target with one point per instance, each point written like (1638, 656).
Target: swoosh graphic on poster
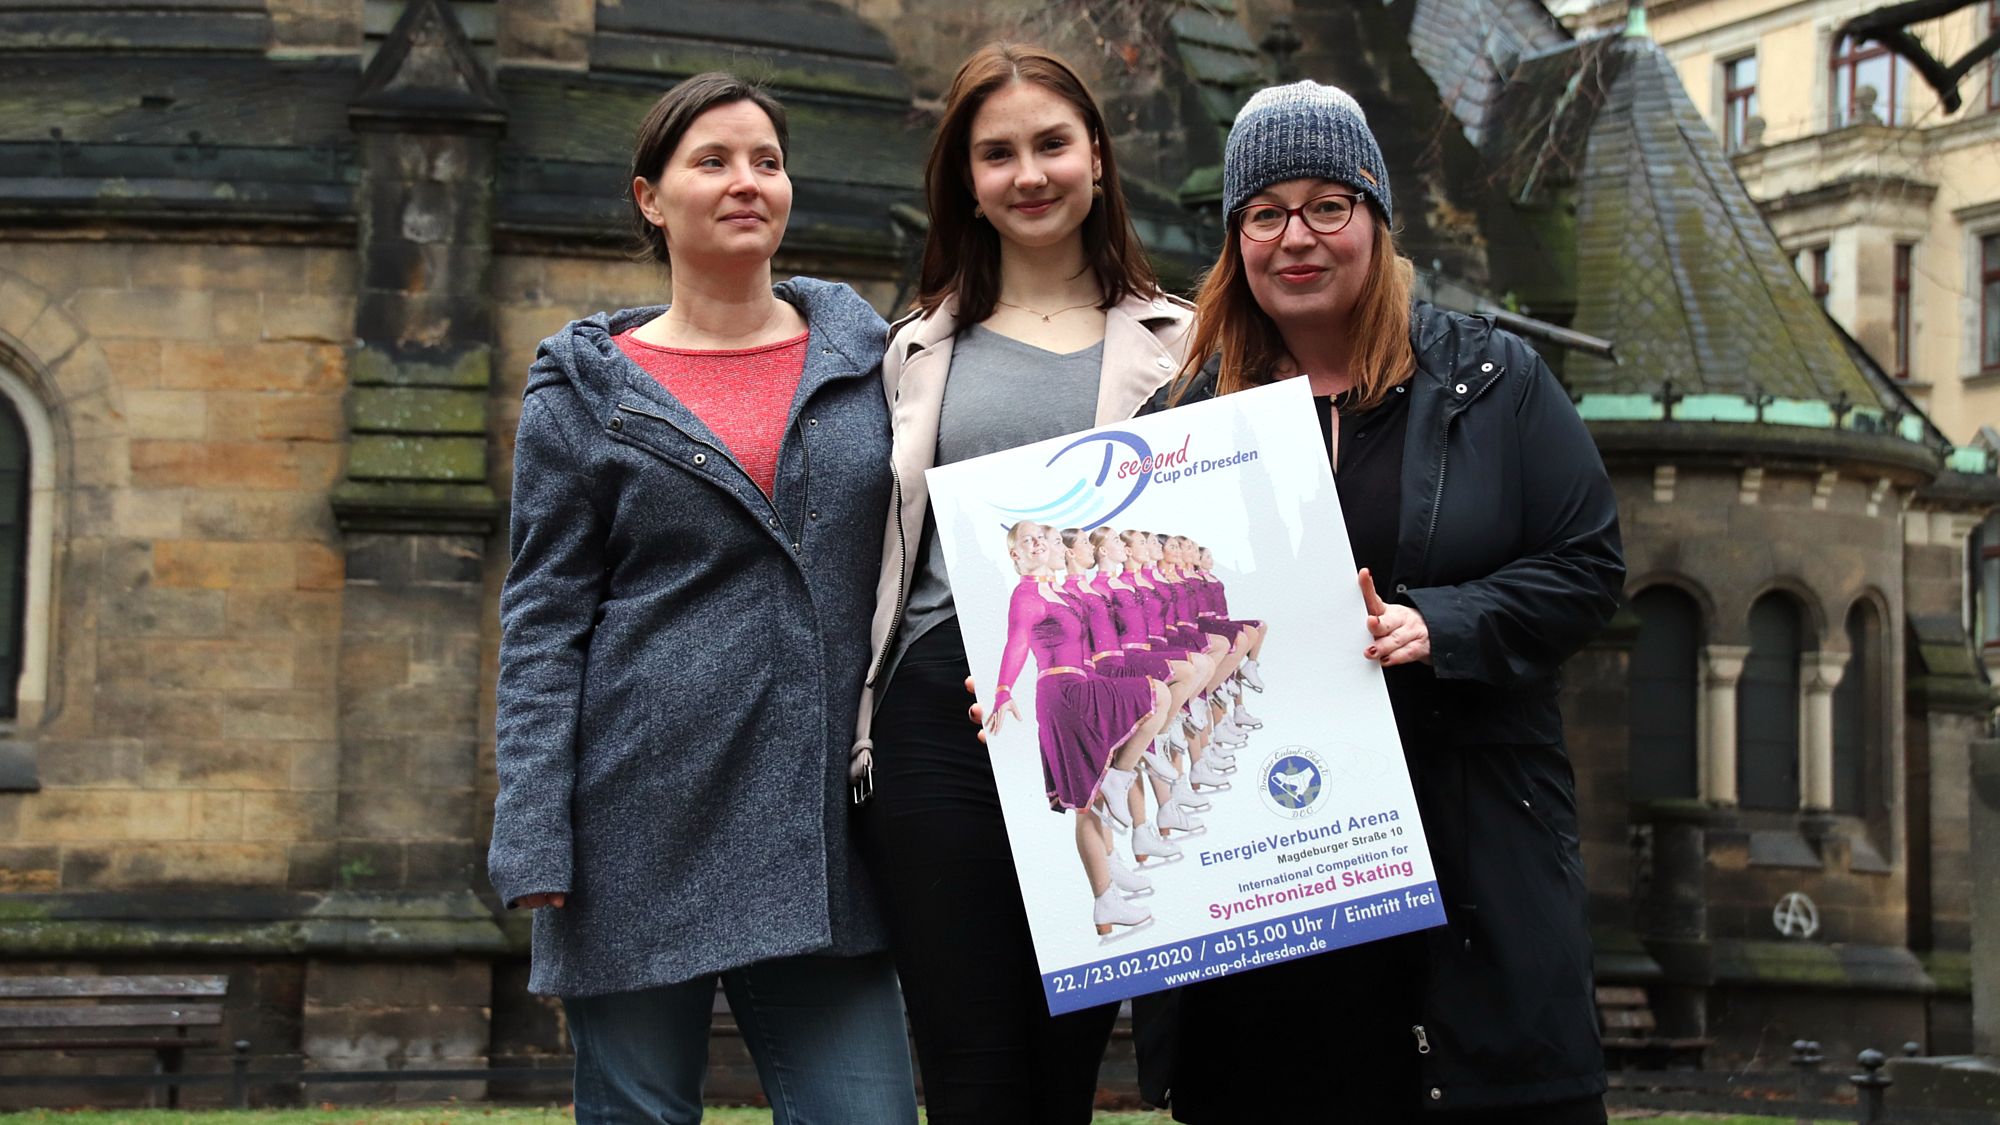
(1086, 495)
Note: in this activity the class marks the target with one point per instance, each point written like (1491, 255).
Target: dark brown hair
(668, 121)
(1228, 322)
(962, 254)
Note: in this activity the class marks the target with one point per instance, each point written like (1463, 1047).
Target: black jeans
(934, 842)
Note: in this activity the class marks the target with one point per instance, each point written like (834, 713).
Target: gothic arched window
(14, 467)
(1857, 713)
(1767, 708)
(1662, 696)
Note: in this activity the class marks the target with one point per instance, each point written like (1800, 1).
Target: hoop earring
(1097, 189)
(978, 212)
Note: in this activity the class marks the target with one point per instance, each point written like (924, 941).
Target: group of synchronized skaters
(1140, 667)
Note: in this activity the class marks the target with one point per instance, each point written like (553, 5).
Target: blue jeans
(826, 1034)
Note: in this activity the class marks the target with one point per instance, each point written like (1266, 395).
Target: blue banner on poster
(1254, 946)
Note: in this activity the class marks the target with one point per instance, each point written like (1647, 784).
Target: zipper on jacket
(806, 509)
(1444, 458)
(1423, 1040)
(902, 552)
(777, 521)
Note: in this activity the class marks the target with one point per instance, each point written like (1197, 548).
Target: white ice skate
(1158, 761)
(1205, 774)
(1129, 882)
(1104, 818)
(1113, 910)
(1147, 843)
(1173, 818)
(1117, 784)
(1249, 674)
(1184, 795)
(1244, 719)
(1197, 714)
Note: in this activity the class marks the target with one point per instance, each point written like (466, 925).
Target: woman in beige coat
(1037, 316)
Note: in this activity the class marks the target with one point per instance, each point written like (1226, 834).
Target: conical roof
(1675, 264)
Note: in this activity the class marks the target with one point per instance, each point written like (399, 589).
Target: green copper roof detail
(1787, 412)
(1620, 408)
(1812, 414)
(1716, 408)
(1970, 459)
(1635, 22)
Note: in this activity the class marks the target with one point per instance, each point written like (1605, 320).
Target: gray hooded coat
(680, 660)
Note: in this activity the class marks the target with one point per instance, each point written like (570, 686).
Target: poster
(1199, 770)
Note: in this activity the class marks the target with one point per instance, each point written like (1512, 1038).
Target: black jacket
(1508, 546)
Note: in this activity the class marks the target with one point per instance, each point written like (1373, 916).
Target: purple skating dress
(1128, 615)
(1214, 602)
(1176, 616)
(1108, 655)
(1082, 718)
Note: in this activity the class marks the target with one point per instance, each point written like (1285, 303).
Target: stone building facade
(271, 276)
(272, 272)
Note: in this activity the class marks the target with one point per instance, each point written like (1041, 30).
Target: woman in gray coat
(697, 523)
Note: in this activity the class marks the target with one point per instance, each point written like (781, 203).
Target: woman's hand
(532, 902)
(976, 712)
(1000, 713)
(1401, 637)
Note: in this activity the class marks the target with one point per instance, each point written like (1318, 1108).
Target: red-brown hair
(1228, 322)
(962, 253)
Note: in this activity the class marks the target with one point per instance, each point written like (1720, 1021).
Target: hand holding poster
(1124, 594)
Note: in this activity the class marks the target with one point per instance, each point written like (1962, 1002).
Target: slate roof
(1673, 261)
(1466, 47)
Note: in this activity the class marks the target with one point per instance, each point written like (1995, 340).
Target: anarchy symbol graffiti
(1796, 916)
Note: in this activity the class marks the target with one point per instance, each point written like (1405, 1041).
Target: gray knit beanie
(1299, 131)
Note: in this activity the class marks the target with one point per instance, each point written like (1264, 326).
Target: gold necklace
(1046, 315)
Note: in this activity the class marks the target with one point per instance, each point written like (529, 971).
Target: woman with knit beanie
(1486, 537)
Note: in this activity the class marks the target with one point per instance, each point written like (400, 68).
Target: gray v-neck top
(1000, 393)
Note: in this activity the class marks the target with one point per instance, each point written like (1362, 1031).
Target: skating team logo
(1294, 782)
(1082, 498)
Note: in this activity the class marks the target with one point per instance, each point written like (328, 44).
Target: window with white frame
(1739, 100)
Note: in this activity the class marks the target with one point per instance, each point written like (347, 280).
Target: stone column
(1722, 667)
(1819, 674)
(416, 512)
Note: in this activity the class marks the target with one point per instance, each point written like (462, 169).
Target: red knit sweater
(743, 394)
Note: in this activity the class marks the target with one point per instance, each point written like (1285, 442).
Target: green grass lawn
(517, 1115)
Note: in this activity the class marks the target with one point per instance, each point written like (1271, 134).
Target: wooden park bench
(167, 1015)
(1631, 1034)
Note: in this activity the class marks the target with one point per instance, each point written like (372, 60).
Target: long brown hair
(1228, 322)
(962, 253)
